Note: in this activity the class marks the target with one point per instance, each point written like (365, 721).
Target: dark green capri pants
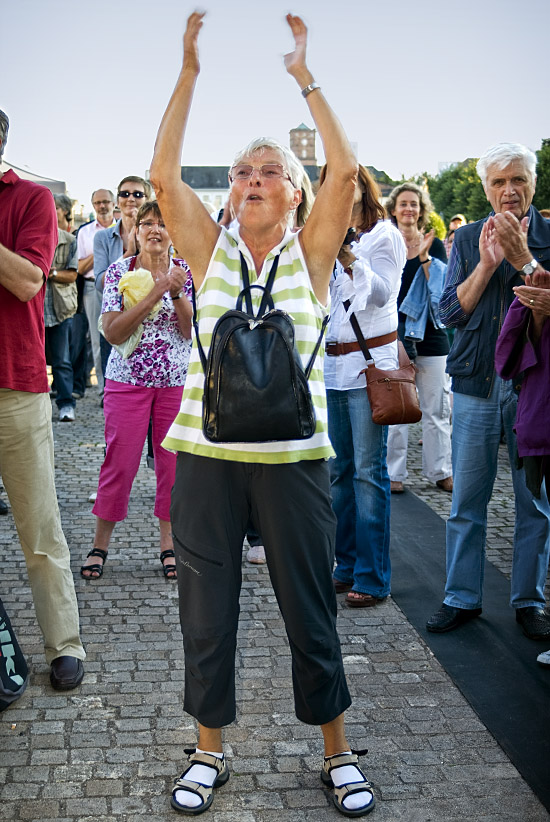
(212, 502)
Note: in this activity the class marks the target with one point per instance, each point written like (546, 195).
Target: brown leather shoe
(66, 673)
(396, 487)
(446, 484)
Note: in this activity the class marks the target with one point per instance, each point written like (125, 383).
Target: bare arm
(86, 264)
(119, 325)
(65, 275)
(491, 255)
(328, 222)
(19, 275)
(191, 228)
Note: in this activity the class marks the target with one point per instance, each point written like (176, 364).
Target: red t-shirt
(28, 227)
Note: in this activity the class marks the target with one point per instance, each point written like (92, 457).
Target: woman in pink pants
(145, 385)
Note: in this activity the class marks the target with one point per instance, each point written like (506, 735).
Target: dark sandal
(94, 571)
(170, 571)
(339, 794)
(204, 792)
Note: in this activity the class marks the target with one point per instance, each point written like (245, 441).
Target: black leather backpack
(255, 387)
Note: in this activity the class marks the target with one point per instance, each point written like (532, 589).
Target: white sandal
(204, 792)
(340, 793)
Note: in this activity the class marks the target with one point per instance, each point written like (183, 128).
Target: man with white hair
(488, 259)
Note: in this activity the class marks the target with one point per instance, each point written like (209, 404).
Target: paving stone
(110, 750)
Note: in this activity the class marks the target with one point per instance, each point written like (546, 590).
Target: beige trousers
(27, 470)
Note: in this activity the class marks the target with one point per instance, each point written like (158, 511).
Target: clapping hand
(535, 294)
(490, 250)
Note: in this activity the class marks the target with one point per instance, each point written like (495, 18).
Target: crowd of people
(136, 283)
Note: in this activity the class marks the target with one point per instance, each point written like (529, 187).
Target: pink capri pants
(128, 409)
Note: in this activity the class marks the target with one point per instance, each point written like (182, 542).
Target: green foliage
(458, 190)
(542, 193)
(435, 222)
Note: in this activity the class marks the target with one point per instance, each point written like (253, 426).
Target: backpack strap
(309, 366)
(267, 299)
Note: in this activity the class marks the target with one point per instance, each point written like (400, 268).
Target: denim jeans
(360, 488)
(57, 343)
(78, 349)
(477, 427)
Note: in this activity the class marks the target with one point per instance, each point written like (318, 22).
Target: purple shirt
(514, 353)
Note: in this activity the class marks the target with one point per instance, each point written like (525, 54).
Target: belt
(334, 349)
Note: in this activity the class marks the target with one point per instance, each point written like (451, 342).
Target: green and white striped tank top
(291, 292)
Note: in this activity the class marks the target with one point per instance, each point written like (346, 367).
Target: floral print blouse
(160, 359)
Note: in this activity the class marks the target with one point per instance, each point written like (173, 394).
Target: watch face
(528, 268)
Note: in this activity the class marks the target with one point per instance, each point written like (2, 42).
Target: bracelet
(308, 89)
(423, 262)
(177, 297)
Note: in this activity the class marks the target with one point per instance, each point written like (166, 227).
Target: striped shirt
(292, 292)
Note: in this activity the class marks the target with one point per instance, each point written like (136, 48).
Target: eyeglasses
(101, 202)
(137, 194)
(269, 171)
(149, 224)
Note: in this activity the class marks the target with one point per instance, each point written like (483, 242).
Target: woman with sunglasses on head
(283, 486)
(145, 385)
(365, 284)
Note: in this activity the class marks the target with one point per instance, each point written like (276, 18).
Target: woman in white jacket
(365, 282)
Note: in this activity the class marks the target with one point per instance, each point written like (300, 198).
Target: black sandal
(94, 571)
(170, 571)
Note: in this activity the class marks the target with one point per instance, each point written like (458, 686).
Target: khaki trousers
(27, 470)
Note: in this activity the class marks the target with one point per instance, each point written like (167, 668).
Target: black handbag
(255, 387)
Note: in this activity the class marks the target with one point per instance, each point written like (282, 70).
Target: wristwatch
(177, 297)
(531, 267)
(53, 273)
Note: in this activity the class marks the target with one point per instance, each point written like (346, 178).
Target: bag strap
(309, 366)
(357, 329)
(266, 299)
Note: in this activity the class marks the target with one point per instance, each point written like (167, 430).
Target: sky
(415, 84)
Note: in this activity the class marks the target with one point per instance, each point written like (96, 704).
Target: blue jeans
(360, 488)
(78, 349)
(477, 426)
(57, 344)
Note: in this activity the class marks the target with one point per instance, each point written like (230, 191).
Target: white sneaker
(256, 555)
(544, 659)
(66, 413)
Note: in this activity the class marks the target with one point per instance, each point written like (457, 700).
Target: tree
(458, 190)
(435, 222)
(542, 193)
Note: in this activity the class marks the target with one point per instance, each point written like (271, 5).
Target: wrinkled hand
(535, 294)
(490, 250)
(295, 61)
(190, 41)
(511, 235)
(177, 276)
(426, 244)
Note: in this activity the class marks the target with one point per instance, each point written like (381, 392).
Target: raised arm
(191, 228)
(328, 222)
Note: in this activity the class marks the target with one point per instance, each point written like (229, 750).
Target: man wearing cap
(28, 237)
(488, 259)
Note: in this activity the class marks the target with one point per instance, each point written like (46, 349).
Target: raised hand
(426, 244)
(295, 61)
(490, 250)
(190, 41)
(511, 235)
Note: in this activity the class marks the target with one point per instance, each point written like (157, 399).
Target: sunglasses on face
(137, 194)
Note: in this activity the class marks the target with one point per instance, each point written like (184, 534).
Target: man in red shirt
(28, 237)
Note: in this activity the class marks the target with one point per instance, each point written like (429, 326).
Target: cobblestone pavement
(110, 749)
